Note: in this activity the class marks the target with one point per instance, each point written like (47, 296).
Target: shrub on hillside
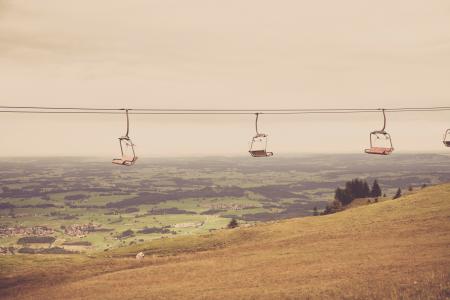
(233, 223)
(126, 234)
(332, 208)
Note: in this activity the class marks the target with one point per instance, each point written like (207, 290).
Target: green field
(171, 197)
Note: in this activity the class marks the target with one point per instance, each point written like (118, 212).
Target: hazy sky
(249, 54)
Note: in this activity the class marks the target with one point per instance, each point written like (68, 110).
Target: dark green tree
(366, 189)
(376, 190)
(355, 188)
(342, 196)
(398, 194)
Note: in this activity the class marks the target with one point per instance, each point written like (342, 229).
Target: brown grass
(397, 249)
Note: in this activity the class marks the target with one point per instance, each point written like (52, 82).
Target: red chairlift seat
(378, 135)
(260, 153)
(379, 150)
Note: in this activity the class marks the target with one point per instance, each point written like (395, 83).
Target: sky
(209, 54)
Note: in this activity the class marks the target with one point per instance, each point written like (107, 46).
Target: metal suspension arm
(256, 123)
(384, 120)
(446, 133)
(128, 123)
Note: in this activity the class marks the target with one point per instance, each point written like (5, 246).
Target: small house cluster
(229, 206)
(80, 230)
(7, 250)
(20, 230)
(187, 225)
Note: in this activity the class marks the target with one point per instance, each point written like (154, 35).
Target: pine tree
(376, 190)
(366, 189)
(356, 188)
(398, 194)
(343, 196)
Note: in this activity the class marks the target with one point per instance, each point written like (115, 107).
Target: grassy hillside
(393, 249)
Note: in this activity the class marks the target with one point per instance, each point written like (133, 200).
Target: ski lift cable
(54, 110)
(48, 109)
(258, 146)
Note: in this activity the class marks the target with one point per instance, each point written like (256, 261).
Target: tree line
(357, 188)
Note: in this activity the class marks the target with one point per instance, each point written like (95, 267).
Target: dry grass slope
(396, 249)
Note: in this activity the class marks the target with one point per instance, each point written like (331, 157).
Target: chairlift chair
(258, 146)
(446, 139)
(376, 136)
(128, 157)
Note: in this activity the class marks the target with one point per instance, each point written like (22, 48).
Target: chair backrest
(376, 134)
